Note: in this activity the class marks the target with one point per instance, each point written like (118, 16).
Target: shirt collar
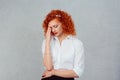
(68, 37)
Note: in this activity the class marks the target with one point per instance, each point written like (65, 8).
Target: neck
(63, 36)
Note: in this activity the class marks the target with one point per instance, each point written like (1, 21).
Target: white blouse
(69, 55)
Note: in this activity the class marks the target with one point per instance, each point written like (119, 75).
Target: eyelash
(55, 26)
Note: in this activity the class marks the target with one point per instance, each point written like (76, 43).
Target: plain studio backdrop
(97, 23)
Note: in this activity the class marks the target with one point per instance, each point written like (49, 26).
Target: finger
(43, 74)
(49, 29)
(45, 77)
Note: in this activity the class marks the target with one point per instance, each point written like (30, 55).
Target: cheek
(60, 29)
(57, 29)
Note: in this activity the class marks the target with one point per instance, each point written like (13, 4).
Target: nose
(53, 30)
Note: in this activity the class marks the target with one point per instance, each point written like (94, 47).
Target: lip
(55, 33)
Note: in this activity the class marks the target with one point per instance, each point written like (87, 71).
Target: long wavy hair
(64, 18)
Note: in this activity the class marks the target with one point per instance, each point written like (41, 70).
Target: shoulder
(76, 41)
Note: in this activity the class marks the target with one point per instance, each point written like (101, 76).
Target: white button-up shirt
(69, 55)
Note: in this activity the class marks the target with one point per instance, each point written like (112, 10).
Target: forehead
(54, 22)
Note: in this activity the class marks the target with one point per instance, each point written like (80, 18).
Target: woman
(63, 56)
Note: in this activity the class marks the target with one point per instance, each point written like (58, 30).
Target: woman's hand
(47, 74)
(48, 34)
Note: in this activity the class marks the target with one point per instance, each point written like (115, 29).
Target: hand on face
(49, 34)
(56, 27)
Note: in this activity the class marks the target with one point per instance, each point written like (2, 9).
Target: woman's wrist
(47, 41)
(53, 72)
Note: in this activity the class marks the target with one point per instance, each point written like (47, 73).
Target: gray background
(97, 24)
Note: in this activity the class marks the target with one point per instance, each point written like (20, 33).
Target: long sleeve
(79, 58)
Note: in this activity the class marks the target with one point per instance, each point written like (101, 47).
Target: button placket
(60, 50)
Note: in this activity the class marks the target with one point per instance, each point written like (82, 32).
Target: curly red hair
(64, 18)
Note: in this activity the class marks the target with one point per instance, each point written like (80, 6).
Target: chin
(56, 35)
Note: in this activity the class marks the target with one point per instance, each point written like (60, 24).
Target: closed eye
(55, 26)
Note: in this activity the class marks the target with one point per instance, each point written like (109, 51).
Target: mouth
(55, 33)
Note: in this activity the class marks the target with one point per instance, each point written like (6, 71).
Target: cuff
(78, 71)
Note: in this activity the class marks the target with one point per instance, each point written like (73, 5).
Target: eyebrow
(55, 25)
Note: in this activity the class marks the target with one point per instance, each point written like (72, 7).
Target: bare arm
(47, 55)
(61, 73)
(65, 73)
